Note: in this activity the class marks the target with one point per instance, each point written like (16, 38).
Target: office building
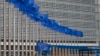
(18, 34)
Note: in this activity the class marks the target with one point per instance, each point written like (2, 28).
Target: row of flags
(31, 9)
(44, 47)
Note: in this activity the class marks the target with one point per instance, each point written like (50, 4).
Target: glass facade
(18, 33)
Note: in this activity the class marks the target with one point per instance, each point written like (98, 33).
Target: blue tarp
(31, 9)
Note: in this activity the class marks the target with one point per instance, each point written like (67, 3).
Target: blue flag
(97, 54)
(27, 2)
(31, 9)
(41, 47)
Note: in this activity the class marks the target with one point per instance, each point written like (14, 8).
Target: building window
(2, 53)
(16, 47)
(24, 47)
(20, 47)
(31, 47)
(24, 53)
(28, 47)
(7, 47)
(12, 47)
(20, 53)
(28, 54)
(2, 47)
(12, 54)
(7, 53)
(2, 40)
(16, 53)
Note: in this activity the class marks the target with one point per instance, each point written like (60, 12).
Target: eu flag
(41, 47)
(31, 9)
(27, 2)
(97, 54)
